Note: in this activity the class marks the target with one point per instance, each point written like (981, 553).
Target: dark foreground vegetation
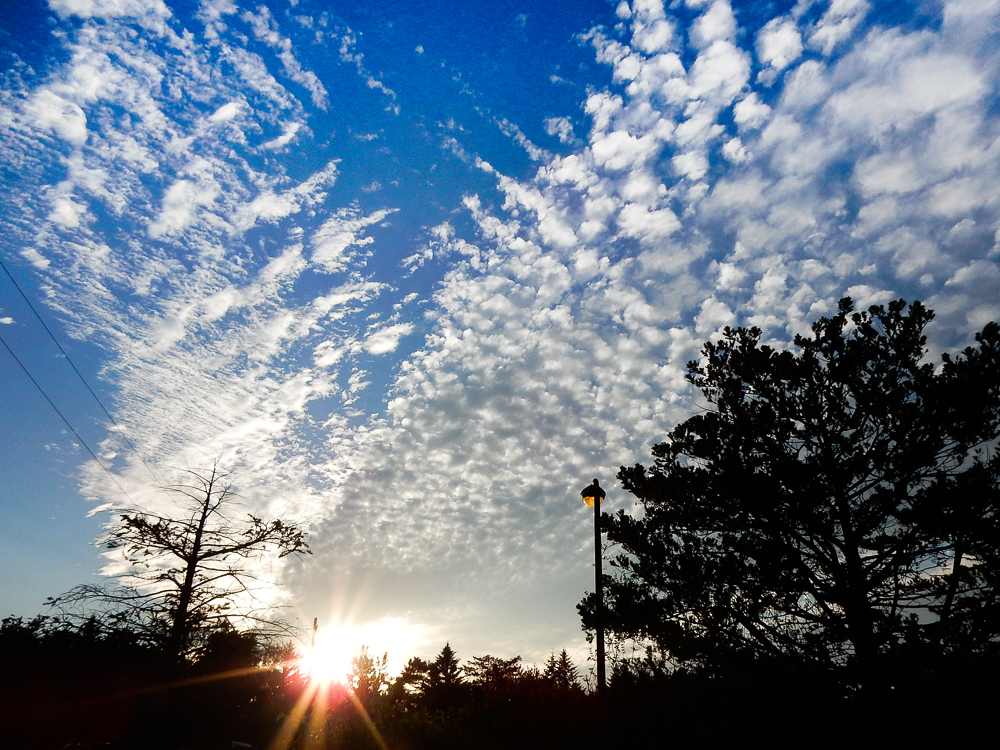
(815, 561)
(88, 687)
(83, 688)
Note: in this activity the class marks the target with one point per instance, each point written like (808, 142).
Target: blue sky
(417, 272)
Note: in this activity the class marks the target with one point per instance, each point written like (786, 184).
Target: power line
(63, 417)
(78, 373)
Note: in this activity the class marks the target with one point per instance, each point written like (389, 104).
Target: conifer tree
(836, 503)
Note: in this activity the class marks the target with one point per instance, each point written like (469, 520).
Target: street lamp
(589, 494)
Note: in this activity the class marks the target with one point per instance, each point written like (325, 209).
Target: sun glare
(329, 660)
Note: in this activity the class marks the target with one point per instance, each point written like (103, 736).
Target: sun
(329, 659)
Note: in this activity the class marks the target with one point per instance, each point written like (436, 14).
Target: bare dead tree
(190, 572)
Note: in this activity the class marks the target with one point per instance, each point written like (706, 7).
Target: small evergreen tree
(444, 670)
(561, 673)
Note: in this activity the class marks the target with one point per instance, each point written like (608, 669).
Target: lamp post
(593, 496)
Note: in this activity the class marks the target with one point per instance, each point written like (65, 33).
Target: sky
(415, 273)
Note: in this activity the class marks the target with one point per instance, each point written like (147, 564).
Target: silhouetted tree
(435, 685)
(493, 673)
(827, 498)
(410, 680)
(186, 570)
(561, 673)
(444, 670)
(369, 675)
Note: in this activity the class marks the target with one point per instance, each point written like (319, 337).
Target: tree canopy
(832, 506)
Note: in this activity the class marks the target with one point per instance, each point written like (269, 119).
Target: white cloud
(109, 8)
(730, 276)
(652, 37)
(650, 226)
(651, 30)
(865, 296)
(602, 106)
(265, 29)
(692, 164)
(65, 118)
(347, 54)
(957, 197)
(561, 128)
(916, 86)
(386, 339)
(779, 43)
(713, 316)
(890, 174)
(269, 206)
(512, 131)
(288, 133)
(619, 150)
(339, 233)
(751, 112)
(226, 112)
(180, 205)
(715, 24)
(719, 72)
(838, 23)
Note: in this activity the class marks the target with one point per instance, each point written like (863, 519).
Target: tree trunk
(179, 627)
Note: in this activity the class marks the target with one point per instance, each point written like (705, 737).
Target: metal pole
(601, 683)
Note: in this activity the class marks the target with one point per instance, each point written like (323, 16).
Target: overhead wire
(64, 419)
(77, 371)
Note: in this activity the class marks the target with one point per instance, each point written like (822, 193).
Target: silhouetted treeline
(92, 685)
(88, 687)
(491, 702)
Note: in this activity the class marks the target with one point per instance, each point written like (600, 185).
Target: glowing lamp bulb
(590, 492)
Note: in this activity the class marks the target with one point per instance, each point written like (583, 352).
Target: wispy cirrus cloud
(203, 288)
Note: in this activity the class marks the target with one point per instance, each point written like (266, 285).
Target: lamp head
(592, 491)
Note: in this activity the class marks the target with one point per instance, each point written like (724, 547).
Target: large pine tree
(834, 504)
